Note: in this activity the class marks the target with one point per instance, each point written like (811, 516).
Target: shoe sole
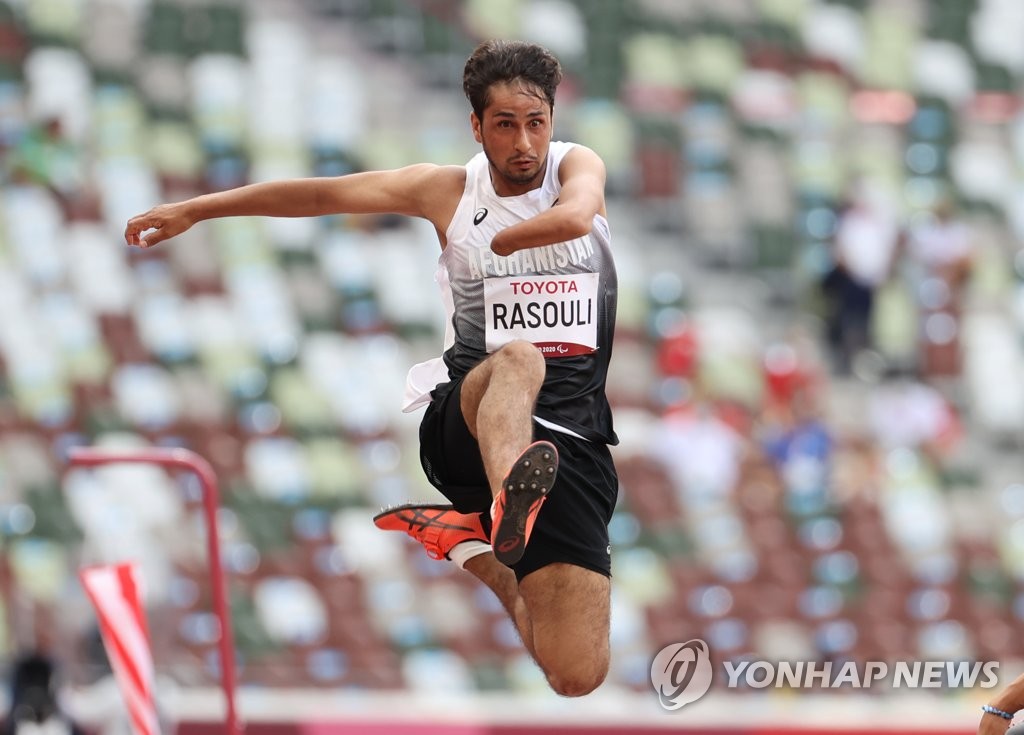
(393, 509)
(529, 481)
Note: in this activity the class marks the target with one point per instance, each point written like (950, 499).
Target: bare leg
(503, 584)
(498, 397)
(570, 618)
(562, 613)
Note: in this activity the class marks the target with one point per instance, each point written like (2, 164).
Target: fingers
(137, 241)
(137, 225)
(163, 222)
(134, 229)
(152, 239)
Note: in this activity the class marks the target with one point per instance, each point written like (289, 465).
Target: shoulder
(433, 175)
(448, 184)
(439, 190)
(436, 187)
(578, 159)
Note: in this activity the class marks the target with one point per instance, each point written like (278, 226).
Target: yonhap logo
(681, 673)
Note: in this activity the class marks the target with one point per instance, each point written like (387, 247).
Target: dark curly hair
(498, 61)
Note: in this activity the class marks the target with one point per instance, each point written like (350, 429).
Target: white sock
(461, 553)
(494, 507)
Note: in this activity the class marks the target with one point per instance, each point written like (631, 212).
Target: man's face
(515, 134)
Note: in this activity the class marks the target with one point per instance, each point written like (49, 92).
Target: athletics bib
(558, 314)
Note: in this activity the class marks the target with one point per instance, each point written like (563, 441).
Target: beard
(518, 178)
(521, 177)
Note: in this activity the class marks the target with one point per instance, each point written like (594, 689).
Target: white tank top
(560, 297)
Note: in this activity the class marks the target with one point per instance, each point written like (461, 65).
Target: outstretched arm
(582, 174)
(1009, 700)
(413, 191)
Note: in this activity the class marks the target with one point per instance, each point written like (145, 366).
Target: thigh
(569, 609)
(522, 367)
(450, 455)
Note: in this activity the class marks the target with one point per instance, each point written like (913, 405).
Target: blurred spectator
(34, 706)
(47, 157)
(701, 451)
(940, 254)
(914, 415)
(797, 440)
(797, 433)
(865, 244)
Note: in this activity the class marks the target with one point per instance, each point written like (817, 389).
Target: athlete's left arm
(582, 174)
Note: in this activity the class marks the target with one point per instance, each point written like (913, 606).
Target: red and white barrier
(114, 592)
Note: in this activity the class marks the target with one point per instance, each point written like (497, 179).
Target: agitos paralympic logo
(682, 673)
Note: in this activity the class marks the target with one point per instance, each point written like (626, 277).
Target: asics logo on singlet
(479, 216)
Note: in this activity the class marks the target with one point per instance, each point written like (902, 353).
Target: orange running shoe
(522, 494)
(440, 528)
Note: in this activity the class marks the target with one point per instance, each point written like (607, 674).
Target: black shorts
(572, 526)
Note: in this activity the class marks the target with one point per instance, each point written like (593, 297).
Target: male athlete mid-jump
(517, 426)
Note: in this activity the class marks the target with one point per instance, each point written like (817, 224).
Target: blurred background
(817, 209)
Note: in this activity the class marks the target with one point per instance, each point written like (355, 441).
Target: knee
(577, 684)
(524, 358)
